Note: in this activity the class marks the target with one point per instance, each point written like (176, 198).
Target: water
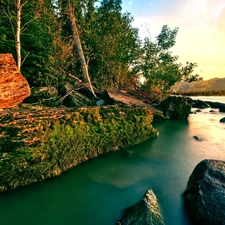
(97, 191)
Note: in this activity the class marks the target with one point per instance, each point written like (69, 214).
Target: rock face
(145, 212)
(14, 88)
(175, 107)
(205, 193)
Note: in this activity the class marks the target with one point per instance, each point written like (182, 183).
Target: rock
(39, 142)
(74, 98)
(222, 108)
(222, 120)
(212, 111)
(197, 138)
(215, 105)
(145, 212)
(175, 107)
(200, 104)
(204, 198)
(42, 95)
(14, 88)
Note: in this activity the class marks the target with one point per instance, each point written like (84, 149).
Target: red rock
(14, 88)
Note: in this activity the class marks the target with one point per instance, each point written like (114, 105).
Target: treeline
(115, 55)
(203, 93)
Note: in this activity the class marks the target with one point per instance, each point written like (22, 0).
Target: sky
(201, 23)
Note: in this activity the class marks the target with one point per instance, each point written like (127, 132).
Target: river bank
(40, 142)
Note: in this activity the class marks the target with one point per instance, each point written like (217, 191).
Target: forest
(41, 36)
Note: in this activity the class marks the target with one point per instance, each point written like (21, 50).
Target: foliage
(160, 68)
(115, 55)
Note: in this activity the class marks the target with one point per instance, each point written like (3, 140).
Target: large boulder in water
(145, 212)
(200, 104)
(222, 108)
(175, 107)
(204, 197)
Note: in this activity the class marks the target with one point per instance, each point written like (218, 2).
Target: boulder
(215, 105)
(204, 198)
(14, 88)
(222, 120)
(200, 104)
(222, 108)
(145, 212)
(175, 107)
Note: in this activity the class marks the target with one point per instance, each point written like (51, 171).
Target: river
(97, 191)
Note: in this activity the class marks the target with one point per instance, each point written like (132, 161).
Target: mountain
(201, 85)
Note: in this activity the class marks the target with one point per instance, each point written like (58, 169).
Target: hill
(201, 85)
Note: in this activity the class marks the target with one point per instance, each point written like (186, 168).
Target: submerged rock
(144, 212)
(204, 197)
(175, 107)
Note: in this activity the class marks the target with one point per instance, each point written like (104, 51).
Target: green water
(97, 191)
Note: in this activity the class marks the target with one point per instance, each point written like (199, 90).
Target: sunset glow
(201, 36)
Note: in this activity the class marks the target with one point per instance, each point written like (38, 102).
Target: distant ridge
(214, 84)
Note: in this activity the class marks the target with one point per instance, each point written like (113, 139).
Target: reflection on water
(98, 191)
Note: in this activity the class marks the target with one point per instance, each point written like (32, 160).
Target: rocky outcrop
(146, 212)
(215, 105)
(14, 88)
(41, 142)
(199, 104)
(204, 197)
(175, 107)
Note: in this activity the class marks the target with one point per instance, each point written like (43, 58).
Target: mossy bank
(37, 143)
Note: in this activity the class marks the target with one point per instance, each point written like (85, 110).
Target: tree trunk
(79, 48)
(18, 24)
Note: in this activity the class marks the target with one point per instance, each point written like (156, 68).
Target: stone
(222, 108)
(145, 212)
(14, 88)
(204, 198)
(200, 104)
(175, 107)
(222, 120)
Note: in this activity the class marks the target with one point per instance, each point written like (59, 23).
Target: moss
(56, 143)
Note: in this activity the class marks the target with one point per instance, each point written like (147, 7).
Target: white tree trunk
(84, 66)
(18, 29)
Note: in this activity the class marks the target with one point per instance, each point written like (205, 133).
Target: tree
(79, 47)
(160, 68)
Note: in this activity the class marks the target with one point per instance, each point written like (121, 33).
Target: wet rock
(215, 105)
(145, 212)
(197, 138)
(14, 88)
(204, 198)
(222, 108)
(222, 120)
(175, 107)
(200, 104)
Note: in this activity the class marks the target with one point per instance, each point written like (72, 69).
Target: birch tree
(80, 52)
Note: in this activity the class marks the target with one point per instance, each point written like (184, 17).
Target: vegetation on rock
(37, 143)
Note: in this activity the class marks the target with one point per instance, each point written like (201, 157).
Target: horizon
(201, 35)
